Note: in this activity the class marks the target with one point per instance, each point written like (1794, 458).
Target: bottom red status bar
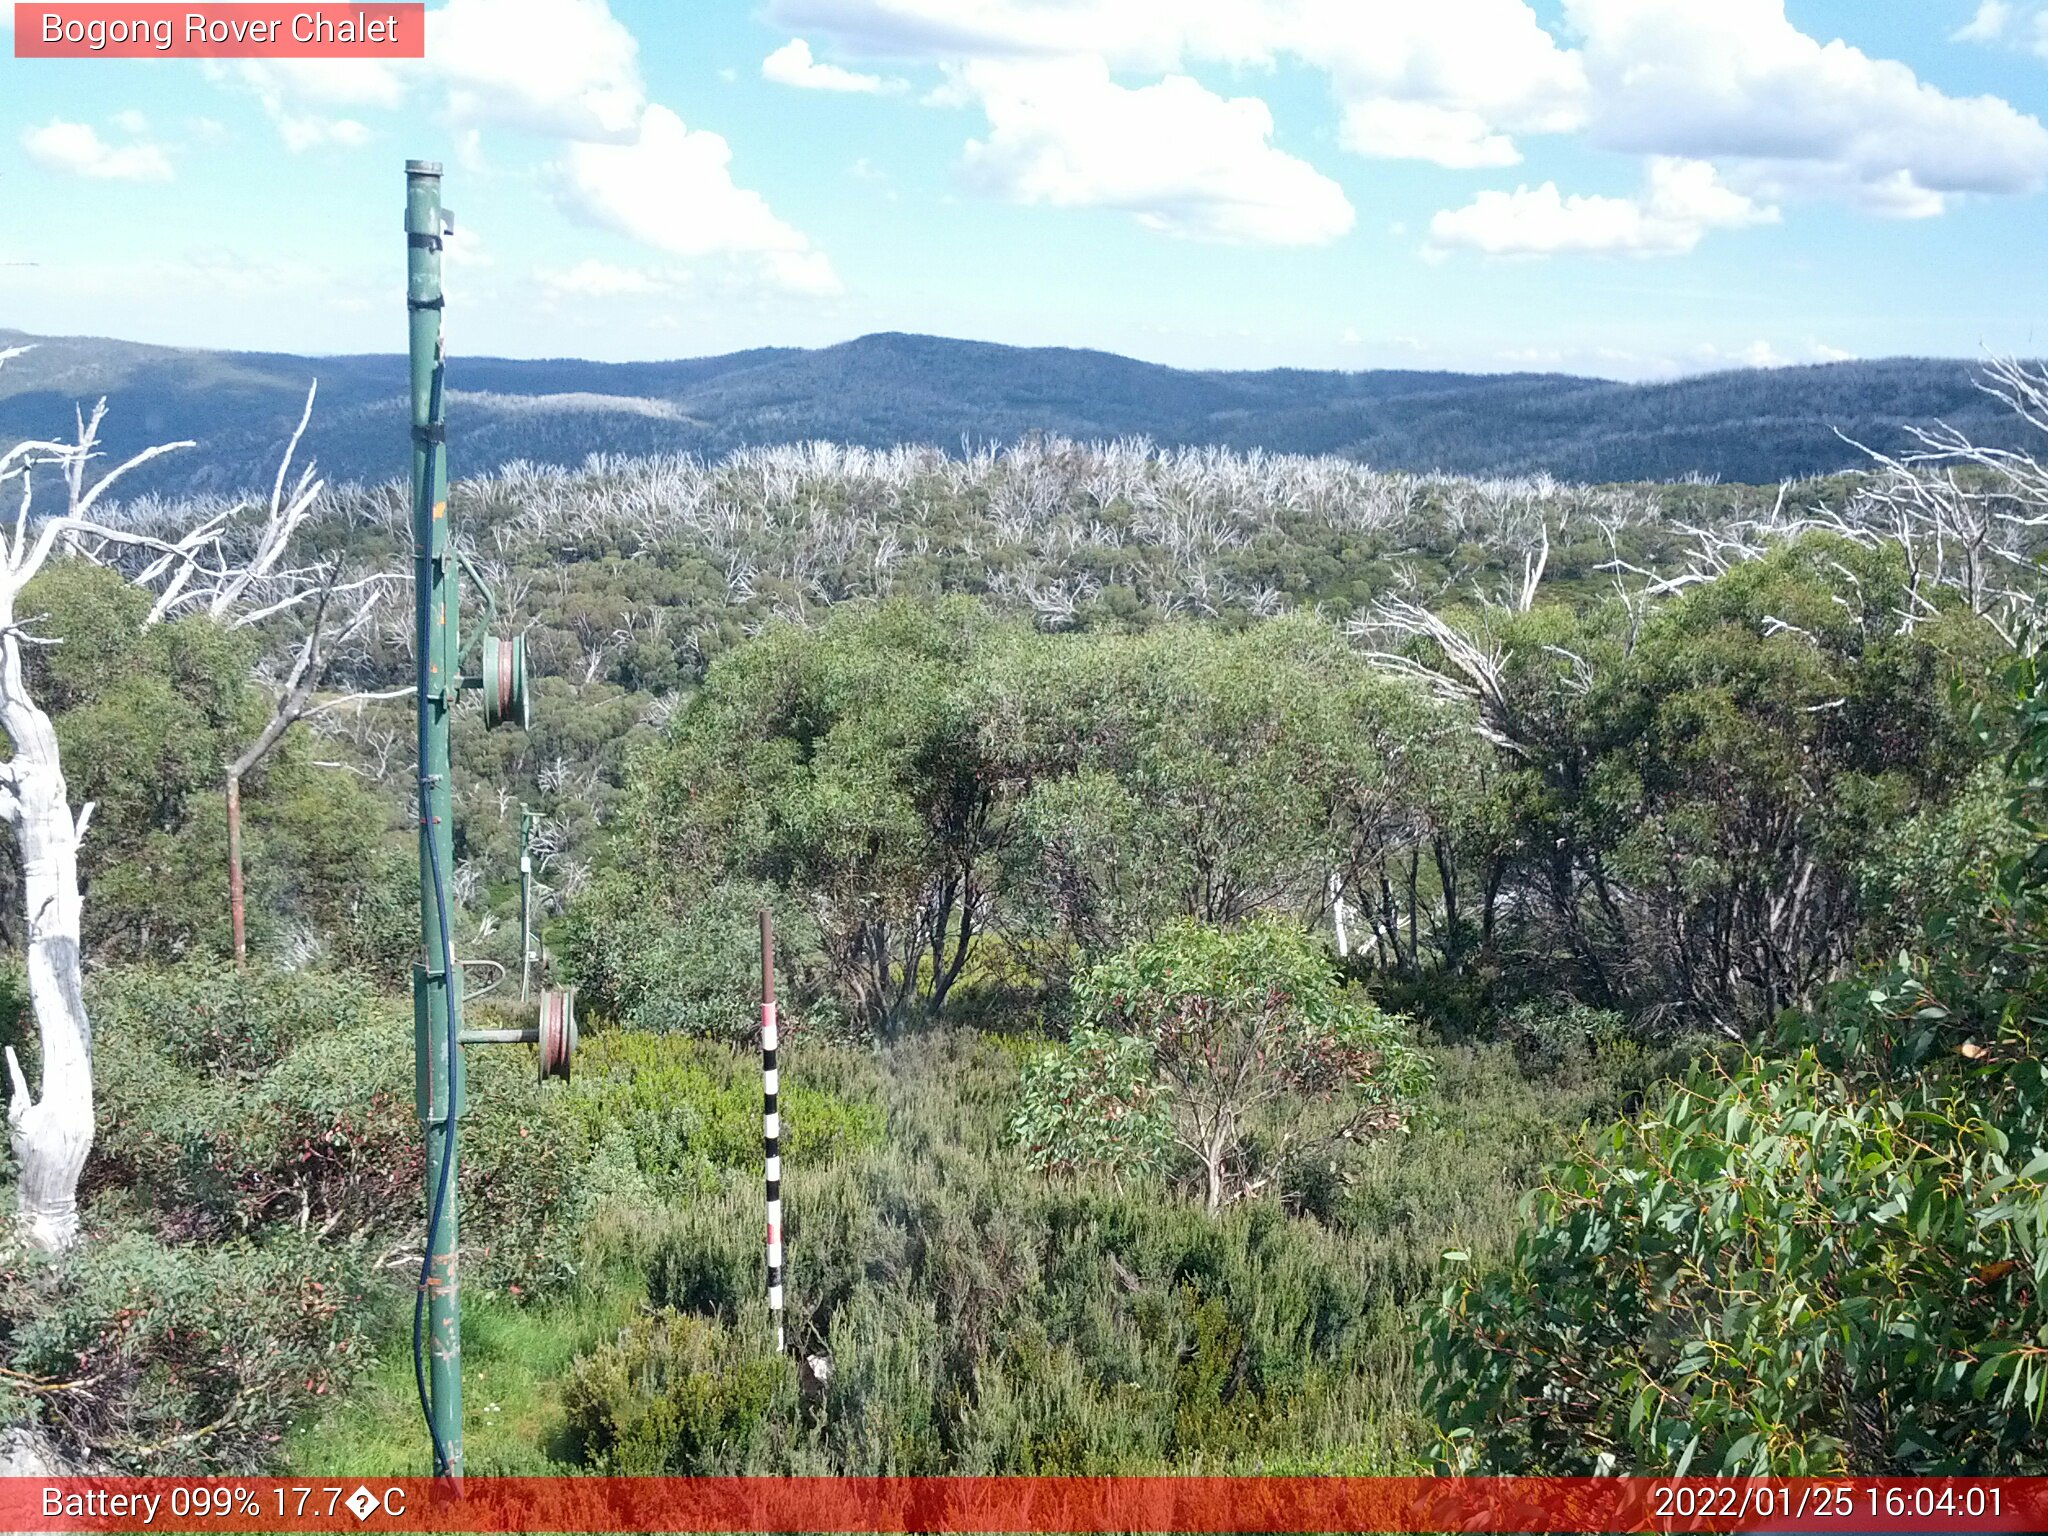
(1027, 1504)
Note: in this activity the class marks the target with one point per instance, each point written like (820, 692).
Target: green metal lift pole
(437, 1002)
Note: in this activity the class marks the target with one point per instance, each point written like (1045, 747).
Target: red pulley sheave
(557, 1032)
(504, 681)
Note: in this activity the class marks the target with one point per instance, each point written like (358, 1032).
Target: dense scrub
(980, 1318)
(256, 1195)
(1210, 889)
(1671, 824)
(1232, 1055)
(1826, 1256)
(147, 716)
(918, 787)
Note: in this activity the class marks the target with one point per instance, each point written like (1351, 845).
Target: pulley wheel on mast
(557, 1032)
(502, 675)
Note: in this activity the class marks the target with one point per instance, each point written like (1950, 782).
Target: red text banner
(1026, 1504)
(220, 31)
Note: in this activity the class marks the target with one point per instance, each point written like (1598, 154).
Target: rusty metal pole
(771, 1123)
(527, 955)
(238, 910)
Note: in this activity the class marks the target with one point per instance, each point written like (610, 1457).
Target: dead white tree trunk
(50, 1135)
(51, 1130)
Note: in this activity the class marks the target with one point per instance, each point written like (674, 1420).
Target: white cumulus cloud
(1682, 201)
(302, 131)
(323, 82)
(557, 68)
(671, 188)
(78, 149)
(1450, 82)
(1175, 155)
(563, 68)
(1987, 26)
(566, 70)
(792, 64)
(300, 96)
(1785, 114)
(1764, 354)
(1782, 114)
(465, 248)
(2017, 26)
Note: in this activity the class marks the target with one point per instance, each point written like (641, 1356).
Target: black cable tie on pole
(433, 432)
(437, 303)
(422, 241)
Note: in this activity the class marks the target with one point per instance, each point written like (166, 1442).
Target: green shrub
(891, 1402)
(1492, 1126)
(1094, 1105)
(210, 1017)
(1827, 1259)
(692, 970)
(1552, 1033)
(711, 1260)
(981, 1320)
(524, 1156)
(146, 715)
(321, 1137)
(378, 929)
(674, 1395)
(210, 1142)
(691, 1108)
(1776, 1272)
(1261, 1059)
(156, 1358)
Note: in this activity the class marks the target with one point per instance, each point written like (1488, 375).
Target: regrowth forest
(1284, 967)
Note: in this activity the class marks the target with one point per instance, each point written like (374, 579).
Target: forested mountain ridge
(1754, 425)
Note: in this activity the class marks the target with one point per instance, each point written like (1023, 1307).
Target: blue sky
(1633, 188)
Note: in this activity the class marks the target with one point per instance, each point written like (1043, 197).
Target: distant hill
(1751, 425)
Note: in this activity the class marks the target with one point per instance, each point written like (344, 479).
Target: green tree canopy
(147, 718)
(1692, 787)
(841, 766)
(1829, 1258)
(927, 784)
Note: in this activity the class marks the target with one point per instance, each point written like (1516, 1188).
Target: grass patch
(515, 1361)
